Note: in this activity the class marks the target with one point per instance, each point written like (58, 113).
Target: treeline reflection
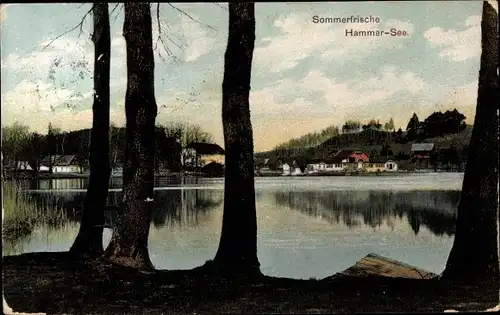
(171, 207)
(436, 210)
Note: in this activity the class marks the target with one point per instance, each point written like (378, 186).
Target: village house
(351, 159)
(421, 154)
(351, 156)
(374, 166)
(391, 166)
(286, 169)
(294, 167)
(201, 154)
(380, 165)
(325, 166)
(61, 164)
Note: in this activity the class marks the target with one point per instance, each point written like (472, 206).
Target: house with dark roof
(421, 154)
(62, 164)
(422, 150)
(201, 153)
(351, 156)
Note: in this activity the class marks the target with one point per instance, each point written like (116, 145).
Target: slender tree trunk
(89, 239)
(238, 243)
(128, 246)
(474, 255)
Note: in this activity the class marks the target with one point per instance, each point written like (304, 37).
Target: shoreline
(58, 284)
(280, 175)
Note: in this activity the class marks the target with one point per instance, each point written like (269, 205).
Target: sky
(306, 76)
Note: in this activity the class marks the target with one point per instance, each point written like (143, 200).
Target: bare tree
(474, 255)
(238, 243)
(89, 239)
(128, 246)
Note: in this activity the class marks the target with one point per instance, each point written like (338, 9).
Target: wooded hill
(447, 131)
(376, 144)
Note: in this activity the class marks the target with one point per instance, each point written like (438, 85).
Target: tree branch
(79, 25)
(221, 6)
(190, 17)
(116, 15)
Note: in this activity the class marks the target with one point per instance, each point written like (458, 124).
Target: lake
(307, 226)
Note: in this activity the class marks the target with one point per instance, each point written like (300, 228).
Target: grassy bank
(50, 282)
(21, 214)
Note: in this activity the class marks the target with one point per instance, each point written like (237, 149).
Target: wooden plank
(376, 265)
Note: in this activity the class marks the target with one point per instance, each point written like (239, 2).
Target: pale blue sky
(305, 76)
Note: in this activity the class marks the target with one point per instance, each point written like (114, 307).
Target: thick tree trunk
(238, 243)
(474, 255)
(128, 246)
(89, 239)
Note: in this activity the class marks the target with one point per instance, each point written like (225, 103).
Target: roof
(205, 148)
(335, 160)
(345, 153)
(58, 160)
(422, 147)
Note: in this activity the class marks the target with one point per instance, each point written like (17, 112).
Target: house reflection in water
(61, 183)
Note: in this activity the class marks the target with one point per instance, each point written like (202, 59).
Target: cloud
(198, 39)
(36, 104)
(457, 45)
(39, 97)
(187, 40)
(336, 96)
(65, 62)
(301, 38)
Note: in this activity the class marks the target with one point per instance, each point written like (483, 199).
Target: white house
(326, 166)
(61, 164)
(286, 169)
(391, 166)
(23, 166)
(315, 167)
(296, 171)
(335, 166)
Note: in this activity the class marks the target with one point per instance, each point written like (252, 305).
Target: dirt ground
(54, 284)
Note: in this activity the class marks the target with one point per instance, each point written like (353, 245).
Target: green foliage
(13, 138)
(389, 126)
(310, 139)
(351, 125)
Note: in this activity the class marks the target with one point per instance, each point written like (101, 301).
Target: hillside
(372, 142)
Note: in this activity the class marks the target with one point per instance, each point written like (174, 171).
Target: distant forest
(20, 144)
(447, 131)
(437, 124)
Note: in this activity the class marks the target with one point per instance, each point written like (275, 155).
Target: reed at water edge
(21, 214)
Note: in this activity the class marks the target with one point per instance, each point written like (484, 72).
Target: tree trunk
(128, 246)
(238, 243)
(474, 255)
(89, 239)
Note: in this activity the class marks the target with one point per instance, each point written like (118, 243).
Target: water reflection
(114, 183)
(171, 207)
(306, 228)
(435, 210)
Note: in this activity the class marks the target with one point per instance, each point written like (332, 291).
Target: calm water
(308, 227)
